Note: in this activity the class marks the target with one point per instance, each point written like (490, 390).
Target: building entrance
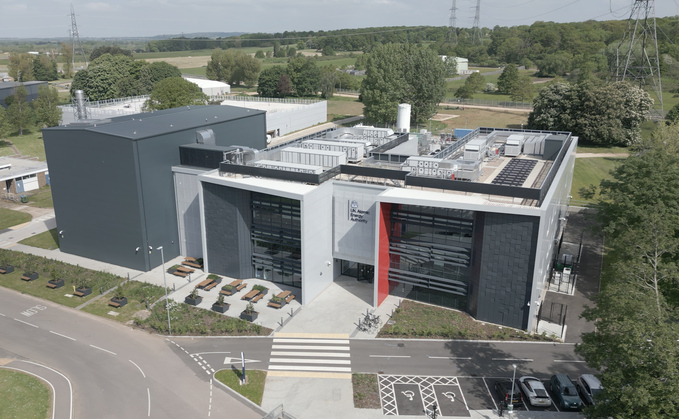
(360, 271)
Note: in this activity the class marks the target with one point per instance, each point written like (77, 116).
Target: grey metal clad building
(113, 184)
(7, 89)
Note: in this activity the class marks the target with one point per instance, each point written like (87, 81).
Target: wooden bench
(193, 264)
(283, 294)
(185, 269)
(51, 285)
(205, 283)
(257, 298)
(25, 278)
(250, 295)
(210, 286)
(78, 294)
(179, 273)
(274, 305)
(114, 304)
(227, 293)
(189, 259)
(290, 298)
(241, 286)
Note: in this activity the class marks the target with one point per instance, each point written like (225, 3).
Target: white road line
(492, 398)
(63, 336)
(70, 387)
(449, 357)
(308, 368)
(138, 367)
(323, 341)
(329, 354)
(310, 361)
(389, 356)
(148, 393)
(313, 348)
(204, 353)
(569, 360)
(102, 349)
(21, 321)
(2, 315)
(54, 392)
(513, 359)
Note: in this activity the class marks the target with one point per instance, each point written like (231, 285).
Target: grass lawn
(172, 54)
(10, 218)
(601, 150)
(23, 396)
(366, 391)
(136, 293)
(252, 390)
(416, 320)
(473, 118)
(41, 198)
(590, 171)
(198, 71)
(30, 144)
(46, 240)
(342, 107)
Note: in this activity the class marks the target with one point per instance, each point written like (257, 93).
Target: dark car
(504, 388)
(565, 392)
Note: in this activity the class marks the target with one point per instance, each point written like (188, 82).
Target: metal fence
(487, 102)
(267, 99)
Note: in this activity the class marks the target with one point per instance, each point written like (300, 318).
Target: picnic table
(185, 269)
(284, 294)
(250, 295)
(204, 283)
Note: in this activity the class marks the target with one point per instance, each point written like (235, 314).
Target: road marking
(70, 387)
(315, 348)
(299, 374)
(309, 368)
(324, 341)
(54, 392)
(310, 361)
(313, 335)
(21, 321)
(569, 360)
(63, 336)
(204, 353)
(148, 393)
(513, 359)
(449, 357)
(389, 356)
(229, 360)
(2, 315)
(330, 354)
(102, 349)
(492, 398)
(139, 368)
(209, 407)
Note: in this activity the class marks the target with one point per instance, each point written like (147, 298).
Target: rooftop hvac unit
(205, 136)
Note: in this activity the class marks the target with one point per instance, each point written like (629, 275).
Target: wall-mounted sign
(356, 214)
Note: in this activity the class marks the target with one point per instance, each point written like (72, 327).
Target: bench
(250, 295)
(257, 298)
(290, 298)
(114, 304)
(210, 286)
(51, 285)
(274, 305)
(185, 269)
(189, 259)
(25, 278)
(78, 294)
(178, 273)
(284, 294)
(227, 293)
(204, 283)
(193, 264)
(241, 286)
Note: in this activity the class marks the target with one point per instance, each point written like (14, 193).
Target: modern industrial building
(7, 89)
(471, 223)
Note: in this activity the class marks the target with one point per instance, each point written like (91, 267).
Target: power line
(541, 14)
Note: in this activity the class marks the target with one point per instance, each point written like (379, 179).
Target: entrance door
(360, 271)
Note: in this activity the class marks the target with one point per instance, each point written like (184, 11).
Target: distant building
(22, 175)
(211, 87)
(7, 89)
(461, 63)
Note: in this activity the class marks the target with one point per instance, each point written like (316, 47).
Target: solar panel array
(515, 172)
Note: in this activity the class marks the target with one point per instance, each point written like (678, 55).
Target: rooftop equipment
(514, 145)
(288, 167)
(355, 152)
(403, 118)
(311, 157)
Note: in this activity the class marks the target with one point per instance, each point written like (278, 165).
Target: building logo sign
(356, 214)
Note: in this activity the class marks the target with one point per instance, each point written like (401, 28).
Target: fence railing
(487, 102)
(268, 99)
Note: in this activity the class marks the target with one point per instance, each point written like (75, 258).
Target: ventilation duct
(205, 136)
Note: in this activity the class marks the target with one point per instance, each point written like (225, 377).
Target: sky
(129, 18)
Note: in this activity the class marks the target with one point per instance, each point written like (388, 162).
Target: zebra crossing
(310, 357)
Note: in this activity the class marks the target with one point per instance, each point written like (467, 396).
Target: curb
(247, 402)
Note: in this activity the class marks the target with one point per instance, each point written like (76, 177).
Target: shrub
(212, 276)
(259, 288)
(249, 309)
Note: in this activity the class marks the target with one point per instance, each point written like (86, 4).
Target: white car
(535, 391)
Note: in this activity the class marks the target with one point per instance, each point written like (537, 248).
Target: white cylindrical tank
(403, 118)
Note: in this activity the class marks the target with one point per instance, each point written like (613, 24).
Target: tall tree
(19, 112)
(267, 85)
(402, 73)
(329, 77)
(174, 92)
(233, 67)
(508, 79)
(67, 54)
(109, 49)
(473, 84)
(152, 73)
(523, 90)
(44, 68)
(21, 66)
(45, 106)
(304, 75)
(4, 125)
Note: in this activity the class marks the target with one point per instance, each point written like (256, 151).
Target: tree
(233, 67)
(267, 84)
(473, 84)
(553, 65)
(152, 73)
(4, 125)
(45, 106)
(523, 90)
(100, 80)
(21, 67)
(18, 114)
(284, 86)
(508, 79)
(599, 113)
(672, 115)
(67, 54)
(44, 68)
(402, 73)
(328, 51)
(109, 49)
(304, 75)
(328, 79)
(259, 54)
(174, 92)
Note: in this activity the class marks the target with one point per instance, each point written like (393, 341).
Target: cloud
(99, 7)
(16, 7)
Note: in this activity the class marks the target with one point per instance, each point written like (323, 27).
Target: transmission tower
(75, 40)
(452, 23)
(477, 38)
(637, 58)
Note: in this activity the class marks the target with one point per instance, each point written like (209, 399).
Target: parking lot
(453, 396)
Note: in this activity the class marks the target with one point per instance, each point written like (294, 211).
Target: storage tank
(403, 118)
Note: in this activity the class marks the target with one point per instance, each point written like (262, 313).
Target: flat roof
(12, 168)
(151, 124)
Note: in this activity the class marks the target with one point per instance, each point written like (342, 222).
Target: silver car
(535, 391)
(588, 386)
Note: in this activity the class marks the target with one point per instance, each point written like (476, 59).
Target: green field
(591, 171)
(30, 144)
(42, 198)
(23, 396)
(198, 71)
(46, 240)
(137, 293)
(10, 218)
(169, 54)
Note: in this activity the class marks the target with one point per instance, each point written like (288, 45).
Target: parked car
(588, 386)
(535, 391)
(565, 392)
(504, 388)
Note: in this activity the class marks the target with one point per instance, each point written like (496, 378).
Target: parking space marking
(450, 357)
(569, 360)
(513, 359)
(489, 393)
(395, 395)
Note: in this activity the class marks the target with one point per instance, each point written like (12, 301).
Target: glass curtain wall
(430, 253)
(276, 239)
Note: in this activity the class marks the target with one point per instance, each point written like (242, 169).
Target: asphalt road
(115, 372)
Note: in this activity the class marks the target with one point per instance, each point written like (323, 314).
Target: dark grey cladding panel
(506, 268)
(227, 230)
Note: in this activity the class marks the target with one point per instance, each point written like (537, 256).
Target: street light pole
(167, 301)
(511, 396)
